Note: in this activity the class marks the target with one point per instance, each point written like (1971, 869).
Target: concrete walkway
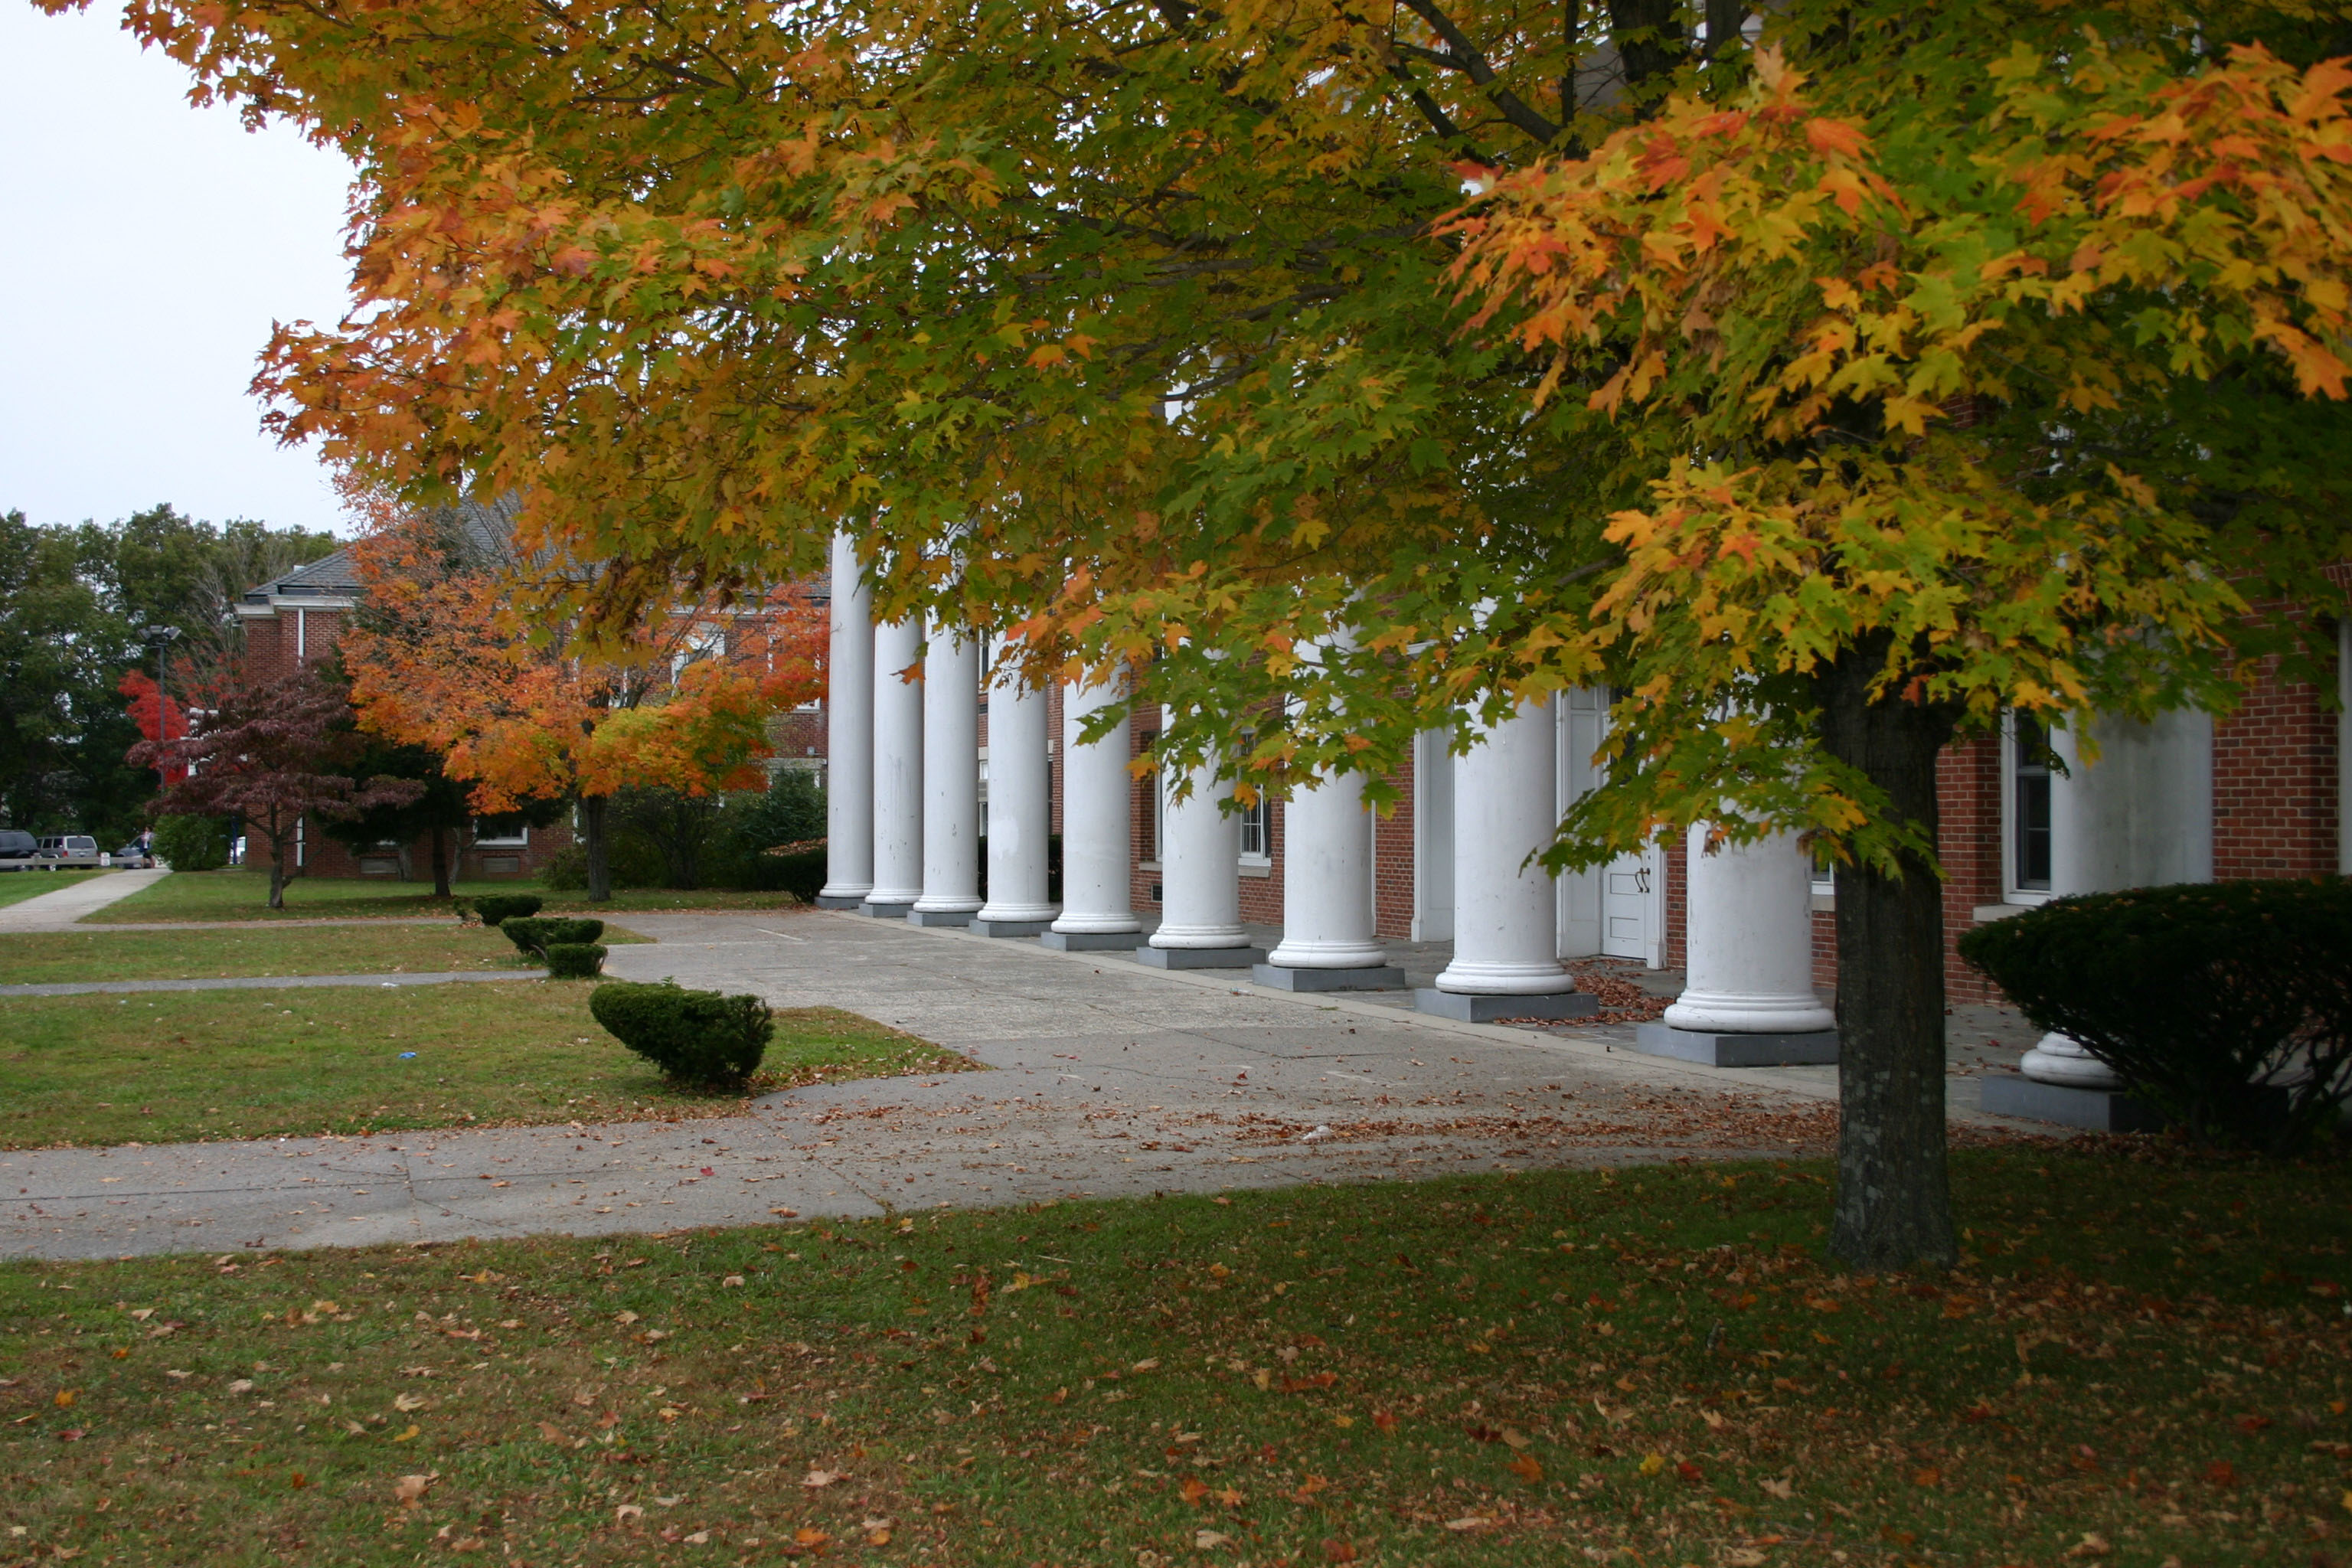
(59, 911)
(258, 983)
(1109, 1080)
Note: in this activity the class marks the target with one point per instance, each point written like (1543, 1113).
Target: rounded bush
(575, 960)
(531, 934)
(497, 909)
(191, 843)
(695, 1036)
(2226, 1006)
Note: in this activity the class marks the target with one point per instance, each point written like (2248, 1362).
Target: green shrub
(694, 1037)
(532, 934)
(2226, 1006)
(631, 863)
(192, 842)
(575, 960)
(497, 909)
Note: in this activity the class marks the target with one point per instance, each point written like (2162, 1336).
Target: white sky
(145, 248)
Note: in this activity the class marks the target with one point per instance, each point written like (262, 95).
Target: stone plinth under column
(1199, 957)
(2100, 1109)
(1280, 977)
(1811, 1048)
(839, 901)
(1481, 1008)
(1018, 928)
(885, 912)
(921, 917)
(1092, 940)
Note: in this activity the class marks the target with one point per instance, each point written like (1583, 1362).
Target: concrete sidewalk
(1109, 1080)
(59, 911)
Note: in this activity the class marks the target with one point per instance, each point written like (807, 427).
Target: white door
(1617, 911)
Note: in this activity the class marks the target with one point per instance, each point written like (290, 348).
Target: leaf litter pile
(2142, 1358)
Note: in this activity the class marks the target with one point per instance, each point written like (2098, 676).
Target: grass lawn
(2139, 1362)
(15, 886)
(39, 956)
(237, 894)
(244, 1064)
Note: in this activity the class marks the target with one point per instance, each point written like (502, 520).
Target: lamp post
(161, 639)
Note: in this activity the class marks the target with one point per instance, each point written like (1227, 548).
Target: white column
(1020, 807)
(1504, 919)
(1328, 942)
(1098, 828)
(1199, 877)
(897, 772)
(1749, 933)
(950, 778)
(848, 735)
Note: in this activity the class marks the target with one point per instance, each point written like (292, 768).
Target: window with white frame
(500, 832)
(1258, 831)
(2025, 810)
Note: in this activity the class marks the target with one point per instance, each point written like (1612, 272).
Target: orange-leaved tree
(447, 653)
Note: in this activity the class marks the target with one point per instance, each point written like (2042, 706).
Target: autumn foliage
(446, 655)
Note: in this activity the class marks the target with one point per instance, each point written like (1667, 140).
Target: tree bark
(591, 841)
(1893, 1193)
(440, 861)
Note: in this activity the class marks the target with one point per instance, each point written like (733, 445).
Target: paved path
(1109, 1080)
(59, 911)
(258, 983)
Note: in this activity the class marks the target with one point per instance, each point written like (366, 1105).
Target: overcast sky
(145, 247)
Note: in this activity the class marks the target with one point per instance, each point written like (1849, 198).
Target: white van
(70, 849)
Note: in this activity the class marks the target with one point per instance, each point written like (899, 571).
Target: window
(1257, 831)
(2029, 805)
(501, 832)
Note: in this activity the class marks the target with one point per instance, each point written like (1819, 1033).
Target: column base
(885, 912)
(1479, 1008)
(1277, 977)
(2099, 1109)
(1091, 940)
(938, 917)
(1813, 1047)
(840, 900)
(1199, 957)
(1011, 928)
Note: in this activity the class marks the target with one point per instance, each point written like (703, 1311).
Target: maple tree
(446, 653)
(1826, 380)
(271, 751)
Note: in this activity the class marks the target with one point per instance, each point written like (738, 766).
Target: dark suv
(18, 849)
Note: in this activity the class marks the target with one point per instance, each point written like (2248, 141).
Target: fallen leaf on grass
(1652, 1463)
(242, 1386)
(65, 1398)
(807, 1536)
(1338, 1550)
(552, 1433)
(1783, 1489)
(403, 1403)
(413, 1429)
(822, 1477)
(2093, 1544)
(627, 1511)
(1384, 1421)
(408, 1489)
(1743, 1557)
(1468, 1522)
(1526, 1468)
(1195, 1488)
(1209, 1539)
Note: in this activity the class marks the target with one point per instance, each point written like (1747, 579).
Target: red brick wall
(2274, 783)
(1392, 887)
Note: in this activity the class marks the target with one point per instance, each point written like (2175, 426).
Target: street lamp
(161, 639)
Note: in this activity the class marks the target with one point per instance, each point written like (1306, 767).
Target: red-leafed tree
(158, 717)
(271, 751)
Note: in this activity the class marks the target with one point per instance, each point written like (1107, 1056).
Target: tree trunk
(279, 845)
(1894, 1191)
(592, 840)
(440, 861)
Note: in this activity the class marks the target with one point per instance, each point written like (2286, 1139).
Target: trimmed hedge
(497, 909)
(530, 934)
(695, 1036)
(2226, 1006)
(575, 960)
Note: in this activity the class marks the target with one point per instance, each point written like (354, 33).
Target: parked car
(61, 849)
(135, 855)
(17, 850)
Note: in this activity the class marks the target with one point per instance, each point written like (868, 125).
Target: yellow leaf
(65, 1398)
(413, 1430)
(1652, 1463)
